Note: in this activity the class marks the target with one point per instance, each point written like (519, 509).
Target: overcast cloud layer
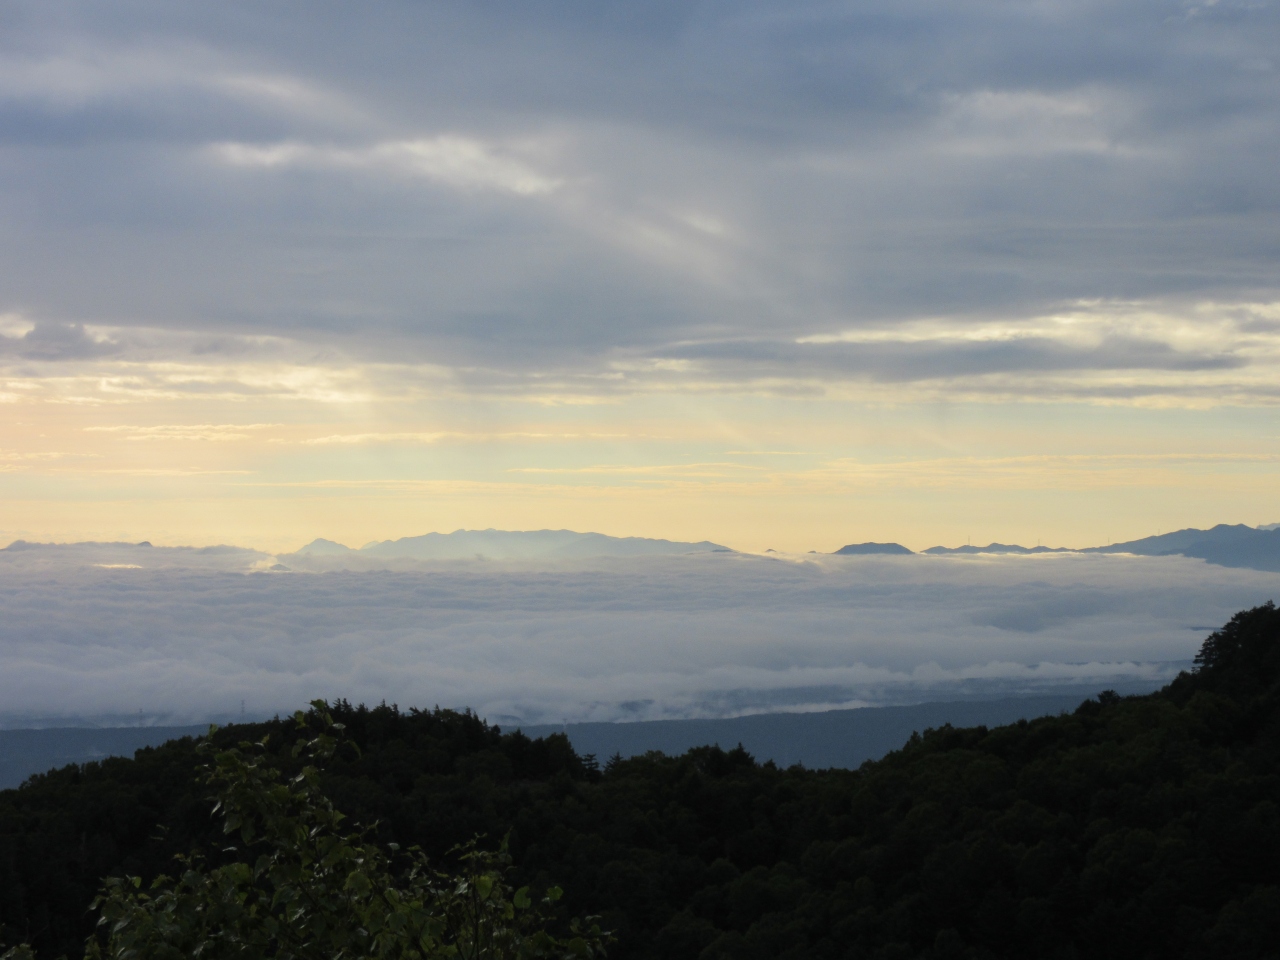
(140, 634)
(1071, 199)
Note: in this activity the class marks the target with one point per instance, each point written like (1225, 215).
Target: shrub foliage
(297, 886)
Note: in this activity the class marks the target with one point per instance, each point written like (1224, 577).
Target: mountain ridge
(1225, 545)
(510, 545)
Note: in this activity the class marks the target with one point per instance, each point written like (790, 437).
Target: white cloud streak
(208, 432)
(464, 163)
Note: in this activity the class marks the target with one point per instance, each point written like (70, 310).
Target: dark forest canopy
(1134, 827)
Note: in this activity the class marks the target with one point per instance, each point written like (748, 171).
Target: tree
(297, 887)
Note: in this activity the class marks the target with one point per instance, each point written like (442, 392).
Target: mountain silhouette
(857, 549)
(1226, 545)
(512, 545)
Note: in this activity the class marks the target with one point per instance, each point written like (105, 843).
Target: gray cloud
(111, 630)
(737, 173)
(57, 341)
(914, 361)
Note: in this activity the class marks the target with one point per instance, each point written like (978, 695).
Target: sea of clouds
(123, 634)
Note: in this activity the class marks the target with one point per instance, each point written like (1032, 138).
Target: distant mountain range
(1227, 545)
(510, 545)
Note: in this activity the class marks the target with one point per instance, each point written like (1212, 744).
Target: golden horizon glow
(270, 451)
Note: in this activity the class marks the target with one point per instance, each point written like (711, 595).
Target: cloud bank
(1068, 200)
(124, 633)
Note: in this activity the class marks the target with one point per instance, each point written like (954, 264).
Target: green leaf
(308, 889)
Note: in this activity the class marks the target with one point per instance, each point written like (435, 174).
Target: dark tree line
(1134, 827)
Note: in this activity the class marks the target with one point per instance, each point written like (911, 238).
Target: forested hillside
(1133, 827)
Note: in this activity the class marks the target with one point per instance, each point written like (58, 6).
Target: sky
(773, 274)
(124, 635)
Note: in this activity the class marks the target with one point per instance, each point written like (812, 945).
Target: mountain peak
(860, 549)
(320, 547)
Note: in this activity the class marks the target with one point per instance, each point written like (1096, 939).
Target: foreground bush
(297, 887)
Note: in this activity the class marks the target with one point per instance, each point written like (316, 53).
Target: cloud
(211, 432)
(953, 360)
(992, 123)
(1199, 354)
(110, 630)
(524, 199)
(56, 341)
(461, 162)
(352, 439)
